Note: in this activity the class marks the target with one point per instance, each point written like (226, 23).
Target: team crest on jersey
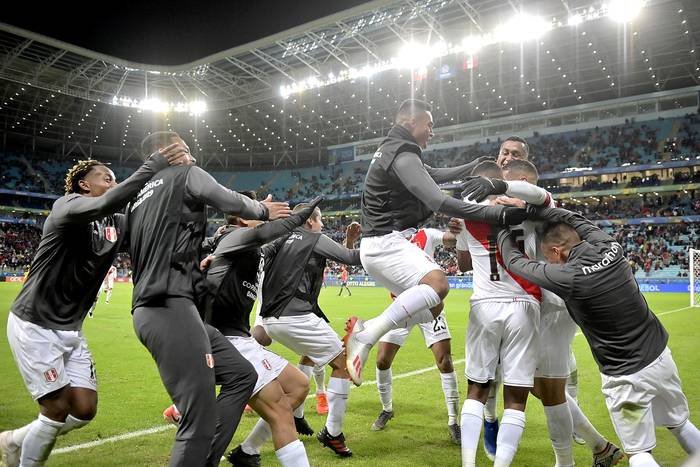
(51, 375)
(266, 364)
(210, 360)
(111, 234)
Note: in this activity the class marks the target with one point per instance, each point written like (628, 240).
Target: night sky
(166, 33)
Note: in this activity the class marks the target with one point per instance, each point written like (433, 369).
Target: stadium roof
(354, 68)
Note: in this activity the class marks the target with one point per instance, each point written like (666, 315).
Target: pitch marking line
(162, 428)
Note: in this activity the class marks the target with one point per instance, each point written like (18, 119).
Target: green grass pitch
(132, 396)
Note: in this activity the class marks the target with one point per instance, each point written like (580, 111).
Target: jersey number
(439, 324)
(493, 249)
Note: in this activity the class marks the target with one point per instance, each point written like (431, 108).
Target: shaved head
(557, 240)
(520, 169)
(487, 169)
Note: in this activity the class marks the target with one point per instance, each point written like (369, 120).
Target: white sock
(509, 433)
(307, 370)
(293, 455)
(18, 435)
(471, 421)
(409, 308)
(258, 436)
(39, 441)
(384, 388)
(688, 436)
(583, 428)
(320, 378)
(449, 389)
(337, 393)
(109, 295)
(72, 423)
(561, 430)
(643, 459)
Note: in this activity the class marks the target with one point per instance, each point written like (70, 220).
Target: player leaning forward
(166, 229)
(81, 237)
(587, 268)
(399, 193)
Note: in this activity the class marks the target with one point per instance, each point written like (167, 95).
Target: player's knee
(383, 362)
(444, 362)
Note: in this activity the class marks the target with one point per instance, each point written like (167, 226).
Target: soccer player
(81, 237)
(108, 283)
(437, 338)
(167, 221)
(232, 283)
(556, 329)
(400, 192)
(640, 382)
(344, 281)
(291, 314)
(503, 327)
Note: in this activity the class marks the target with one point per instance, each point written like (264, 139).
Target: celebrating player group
(539, 273)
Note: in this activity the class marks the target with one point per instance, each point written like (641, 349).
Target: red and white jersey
(111, 274)
(427, 240)
(492, 281)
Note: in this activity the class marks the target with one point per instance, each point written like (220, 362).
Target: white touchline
(161, 428)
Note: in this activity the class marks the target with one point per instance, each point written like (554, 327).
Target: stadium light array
(156, 105)
(521, 28)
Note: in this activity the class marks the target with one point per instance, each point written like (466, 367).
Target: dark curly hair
(77, 173)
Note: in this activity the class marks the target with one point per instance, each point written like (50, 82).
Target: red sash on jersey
(481, 231)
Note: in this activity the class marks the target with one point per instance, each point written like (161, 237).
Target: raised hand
(276, 209)
(353, 232)
(176, 154)
(478, 188)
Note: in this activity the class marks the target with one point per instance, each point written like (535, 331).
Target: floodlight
(575, 20)
(472, 44)
(624, 11)
(198, 107)
(522, 28)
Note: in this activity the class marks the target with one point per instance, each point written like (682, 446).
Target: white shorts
(505, 332)
(267, 364)
(637, 402)
(306, 335)
(434, 331)
(557, 331)
(394, 262)
(50, 359)
(108, 284)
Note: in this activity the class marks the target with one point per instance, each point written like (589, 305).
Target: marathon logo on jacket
(146, 192)
(608, 258)
(209, 358)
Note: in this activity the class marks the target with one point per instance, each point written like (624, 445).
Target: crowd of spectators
(612, 146)
(639, 206)
(649, 247)
(19, 242)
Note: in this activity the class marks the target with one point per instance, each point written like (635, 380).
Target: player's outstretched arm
(448, 174)
(586, 229)
(243, 238)
(411, 172)
(81, 209)
(478, 189)
(329, 249)
(554, 277)
(204, 187)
